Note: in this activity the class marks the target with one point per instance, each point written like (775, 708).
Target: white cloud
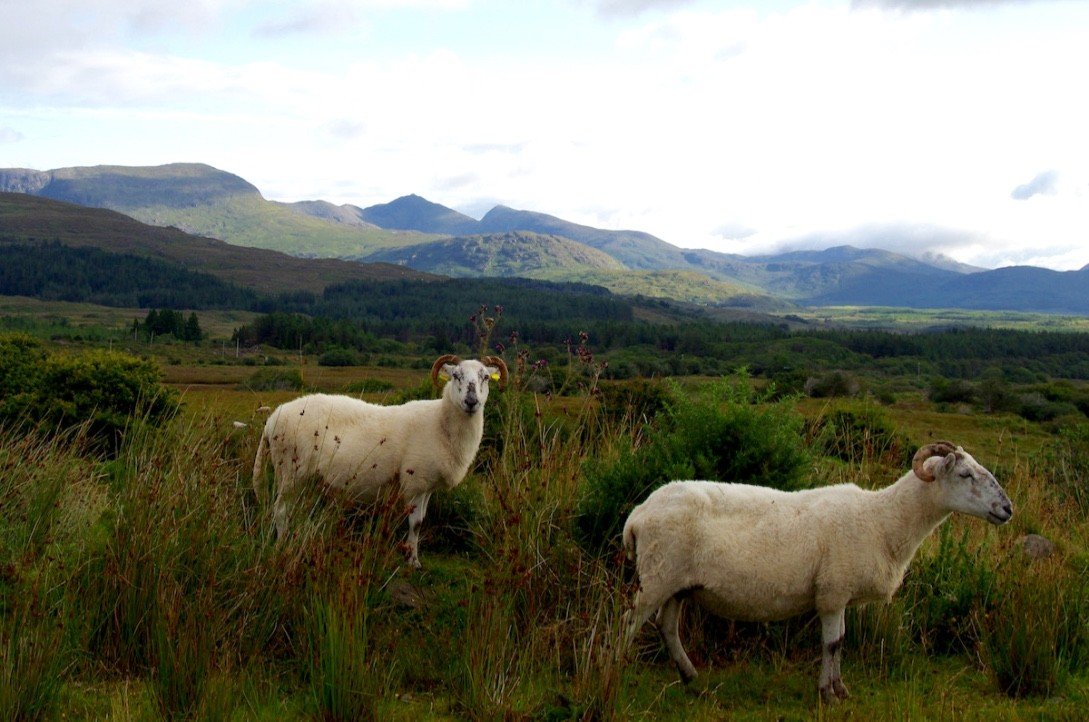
(9, 135)
(740, 129)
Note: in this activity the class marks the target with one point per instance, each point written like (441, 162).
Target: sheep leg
(415, 519)
(645, 605)
(279, 515)
(833, 629)
(668, 622)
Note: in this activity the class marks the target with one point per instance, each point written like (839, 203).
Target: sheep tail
(629, 540)
(259, 467)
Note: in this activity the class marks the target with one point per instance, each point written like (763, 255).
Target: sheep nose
(1007, 508)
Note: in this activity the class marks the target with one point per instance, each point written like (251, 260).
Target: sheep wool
(355, 448)
(757, 554)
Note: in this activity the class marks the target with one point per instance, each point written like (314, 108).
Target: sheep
(752, 553)
(355, 447)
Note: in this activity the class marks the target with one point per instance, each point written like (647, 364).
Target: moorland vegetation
(140, 578)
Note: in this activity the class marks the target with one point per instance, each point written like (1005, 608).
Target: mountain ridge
(208, 202)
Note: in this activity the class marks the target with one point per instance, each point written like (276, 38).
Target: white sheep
(356, 448)
(752, 553)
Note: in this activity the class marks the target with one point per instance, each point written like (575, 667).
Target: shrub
(859, 434)
(836, 383)
(106, 393)
(1036, 631)
(730, 434)
(955, 391)
(275, 379)
(946, 591)
(339, 357)
(1068, 464)
(640, 399)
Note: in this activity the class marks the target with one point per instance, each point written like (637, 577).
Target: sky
(958, 127)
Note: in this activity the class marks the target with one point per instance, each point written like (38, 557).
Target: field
(146, 584)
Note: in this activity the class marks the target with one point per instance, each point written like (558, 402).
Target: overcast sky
(959, 127)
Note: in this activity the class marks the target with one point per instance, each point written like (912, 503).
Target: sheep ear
(936, 464)
(493, 371)
(447, 371)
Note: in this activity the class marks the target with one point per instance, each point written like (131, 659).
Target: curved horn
(496, 361)
(444, 359)
(938, 448)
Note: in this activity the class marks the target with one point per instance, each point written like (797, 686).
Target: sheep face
(968, 487)
(468, 384)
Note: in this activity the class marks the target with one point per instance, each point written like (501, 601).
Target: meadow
(144, 582)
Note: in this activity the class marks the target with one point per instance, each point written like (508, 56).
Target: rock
(405, 594)
(1036, 546)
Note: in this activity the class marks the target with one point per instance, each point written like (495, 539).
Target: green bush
(951, 391)
(339, 357)
(947, 591)
(639, 399)
(728, 434)
(275, 379)
(1037, 630)
(861, 433)
(1068, 465)
(104, 393)
(836, 383)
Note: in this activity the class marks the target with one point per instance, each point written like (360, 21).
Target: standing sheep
(356, 448)
(751, 553)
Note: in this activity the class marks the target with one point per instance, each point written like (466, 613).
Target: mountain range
(413, 233)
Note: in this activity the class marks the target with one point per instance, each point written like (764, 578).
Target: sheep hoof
(834, 692)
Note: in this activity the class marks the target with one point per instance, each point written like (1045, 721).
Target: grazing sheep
(356, 447)
(751, 553)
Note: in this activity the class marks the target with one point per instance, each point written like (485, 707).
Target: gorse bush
(1037, 630)
(860, 433)
(275, 379)
(726, 433)
(107, 394)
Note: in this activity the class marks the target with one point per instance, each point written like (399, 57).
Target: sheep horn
(496, 361)
(439, 362)
(938, 448)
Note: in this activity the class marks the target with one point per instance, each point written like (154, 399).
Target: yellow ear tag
(495, 376)
(444, 376)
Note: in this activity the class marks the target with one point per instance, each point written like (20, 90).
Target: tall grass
(153, 574)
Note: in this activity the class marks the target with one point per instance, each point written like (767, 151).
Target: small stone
(1036, 546)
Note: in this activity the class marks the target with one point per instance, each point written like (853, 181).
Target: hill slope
(504, 254)
(204, 201)
(30, 219)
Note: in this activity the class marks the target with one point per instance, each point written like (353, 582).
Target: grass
(148, 587)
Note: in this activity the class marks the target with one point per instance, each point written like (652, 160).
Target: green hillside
(204, 201)
(30, 219)
(532, 255)
(687, 286)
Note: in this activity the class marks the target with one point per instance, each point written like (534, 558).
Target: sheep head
(468, 379)
(964, 484)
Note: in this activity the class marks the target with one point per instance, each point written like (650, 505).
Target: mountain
(414, 232)
(413, 213)
(203, 200)
(518, 253)
(634, 249)
(26, 219)
(347, 214)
